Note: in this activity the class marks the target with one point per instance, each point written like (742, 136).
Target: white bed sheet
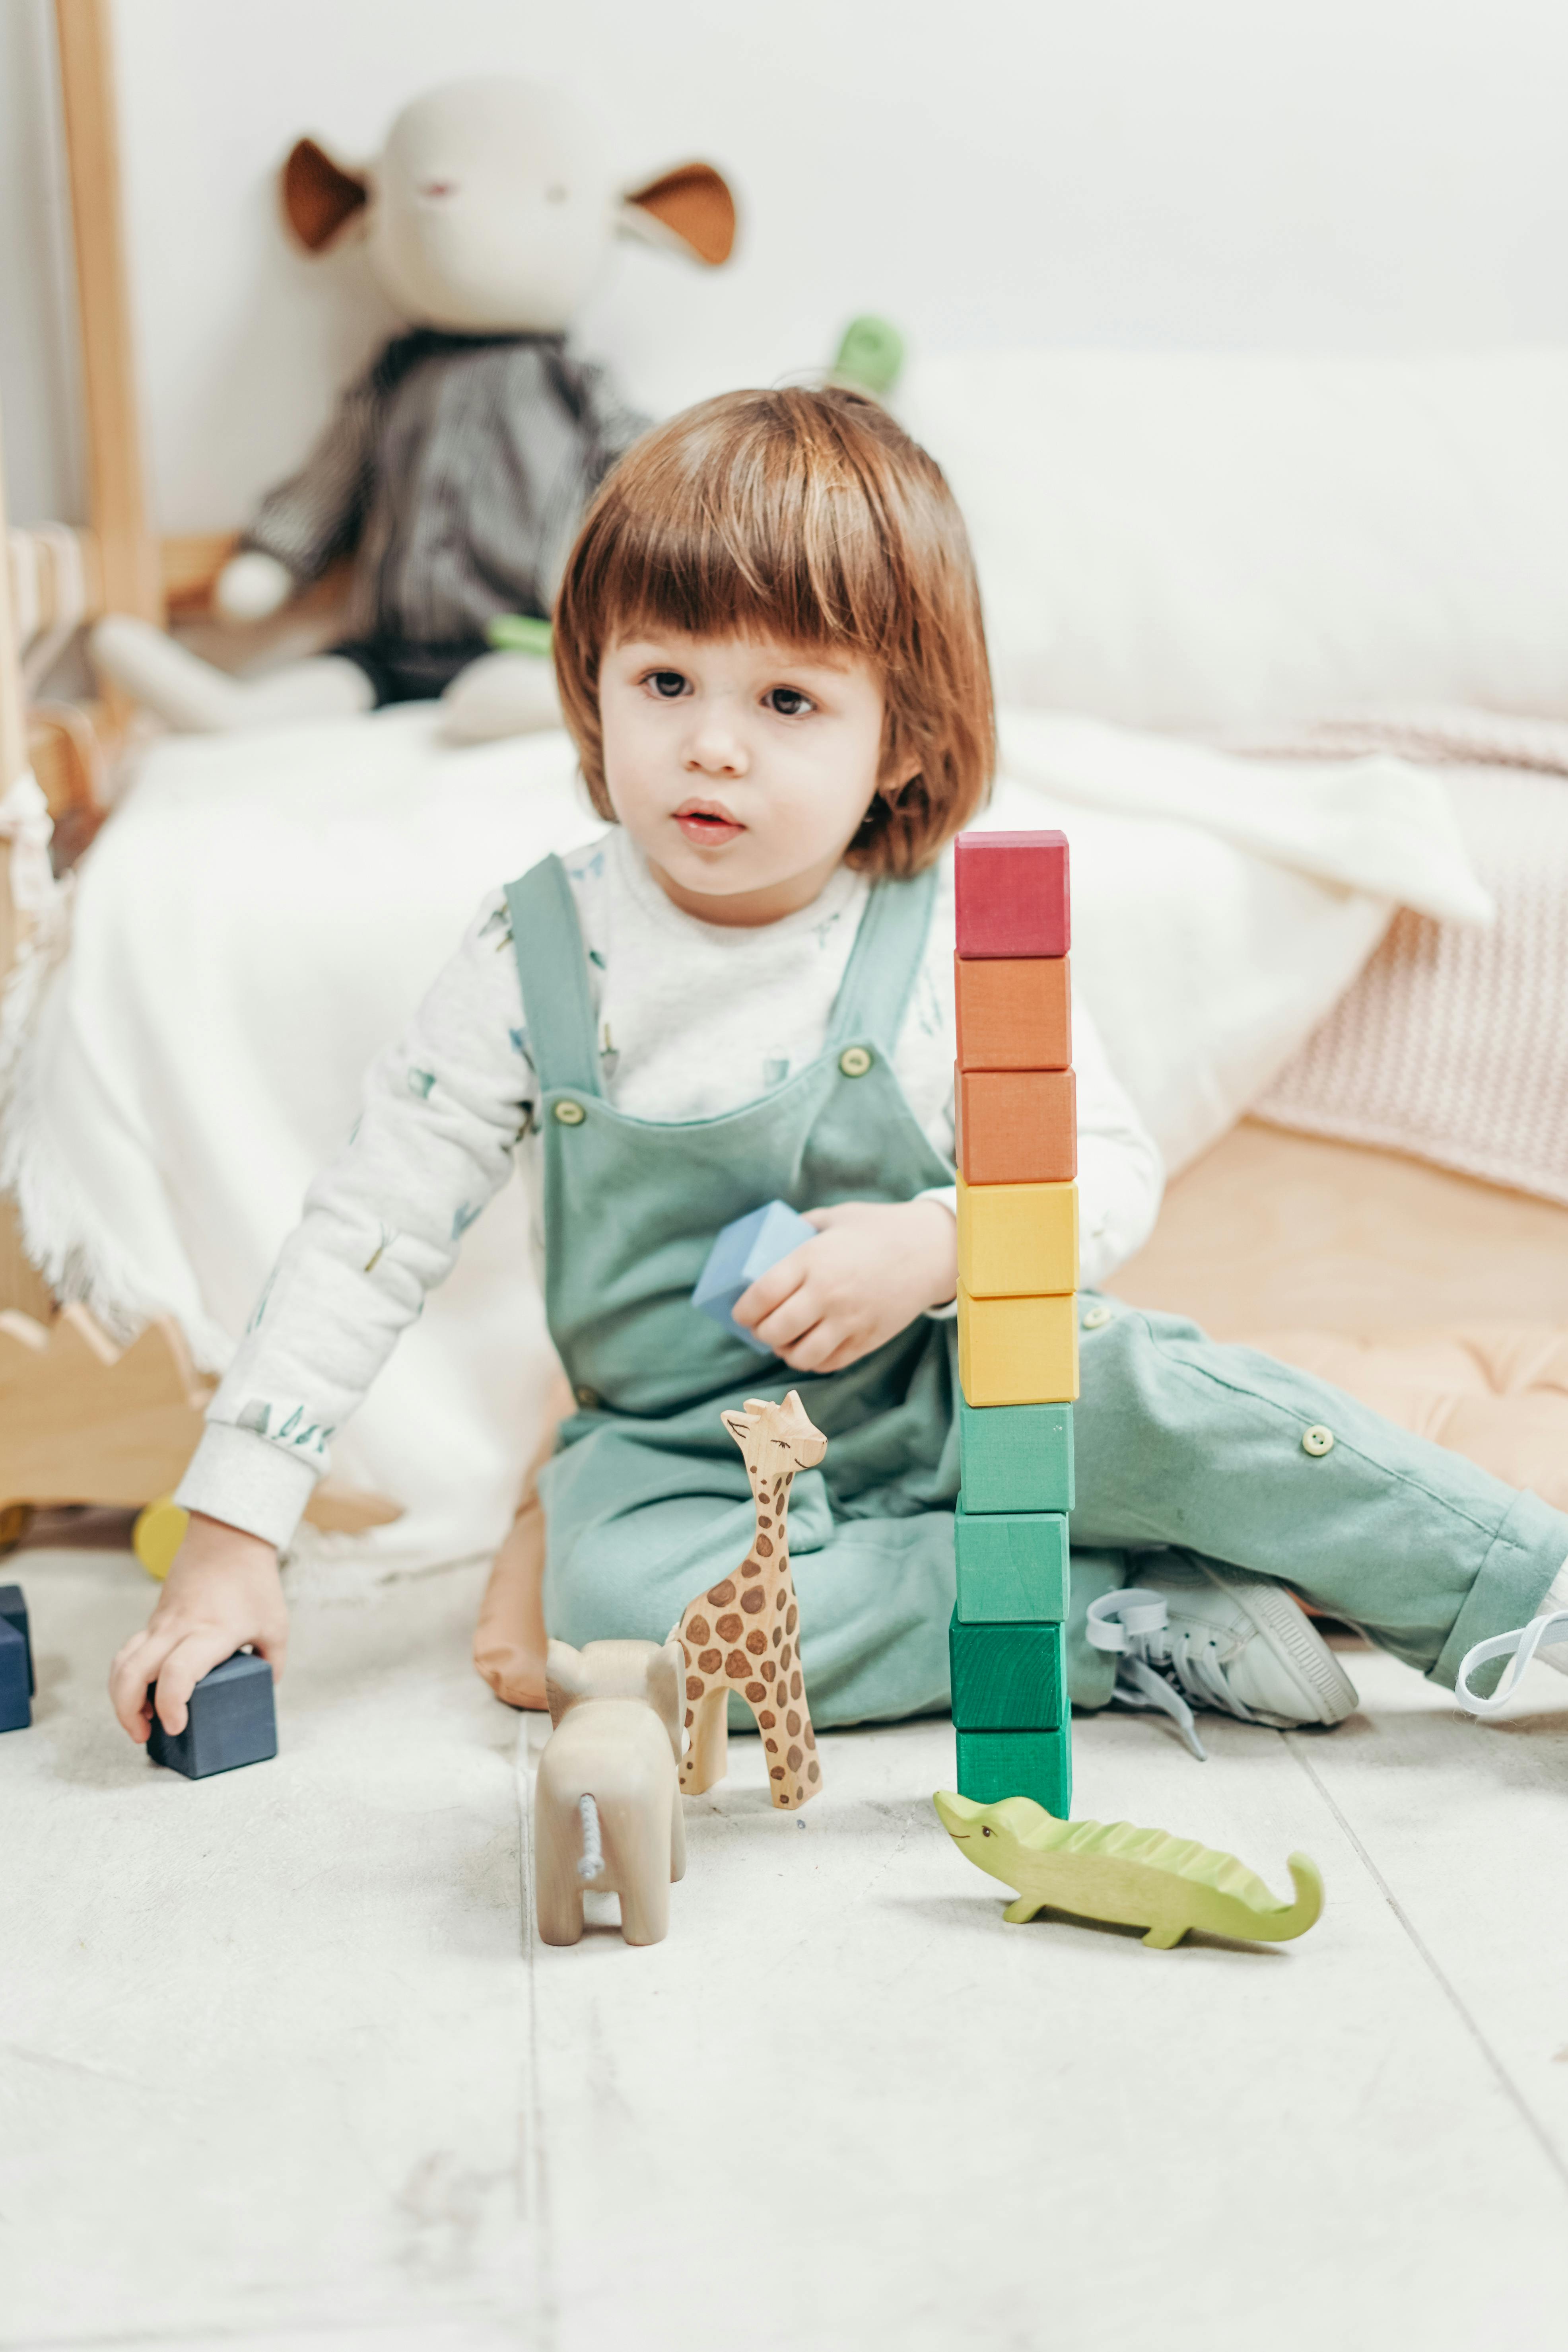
(265, 912)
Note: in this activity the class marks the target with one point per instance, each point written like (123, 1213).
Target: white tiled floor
(281, 2066)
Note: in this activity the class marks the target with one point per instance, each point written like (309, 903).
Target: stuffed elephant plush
(606, 1806)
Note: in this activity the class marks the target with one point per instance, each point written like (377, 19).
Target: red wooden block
(1015, 1012)
(1012, 891)
(1017, 1127)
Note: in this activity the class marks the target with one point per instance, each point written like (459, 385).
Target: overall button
(1096, 1317)
(570, 1113)
(587, 1398)
(855, 1061)
(1317, 1440)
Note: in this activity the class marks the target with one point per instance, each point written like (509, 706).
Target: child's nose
(716, 750)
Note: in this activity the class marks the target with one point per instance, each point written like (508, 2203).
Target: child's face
(740, 768)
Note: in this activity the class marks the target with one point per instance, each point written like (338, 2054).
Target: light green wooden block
(1011, 1565)
(1015, 1457)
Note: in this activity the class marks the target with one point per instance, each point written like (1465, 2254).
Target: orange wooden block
(1017, 1127)
(1015, 1012)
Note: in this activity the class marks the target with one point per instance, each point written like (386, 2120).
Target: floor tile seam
(1510, 2089)
(533, 2163)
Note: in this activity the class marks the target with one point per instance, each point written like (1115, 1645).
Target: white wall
(1328, 175)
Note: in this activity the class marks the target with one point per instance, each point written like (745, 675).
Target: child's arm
(443, 1112)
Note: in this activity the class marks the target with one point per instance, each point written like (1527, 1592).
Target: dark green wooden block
(1011, 1565)
(996, 1764)
(1007, 1677)
(1015, 1457)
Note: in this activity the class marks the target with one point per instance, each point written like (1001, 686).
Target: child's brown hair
(811, 517)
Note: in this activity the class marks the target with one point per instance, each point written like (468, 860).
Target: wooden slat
(131, 572)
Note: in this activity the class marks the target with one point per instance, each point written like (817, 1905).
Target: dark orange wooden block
(1017, 1127)
(1015, 1012)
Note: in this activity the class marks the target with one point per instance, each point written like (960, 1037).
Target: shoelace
(1157, 1668)
(1522, 1645)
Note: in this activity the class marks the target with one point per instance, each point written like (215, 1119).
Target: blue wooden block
(231, 1721)
(16, 1712)
(1007, 1677)
(1011, 1565)
(1015, 1457)
(996, 1764)
(14, 1610)
(743, 1250)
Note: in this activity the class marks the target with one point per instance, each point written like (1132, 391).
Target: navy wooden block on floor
(1007, 1677)
(996, 1764)
(14, 1613)
(1015, 1457)
(1011, 1565)
(231, 1722)
(16, 1712)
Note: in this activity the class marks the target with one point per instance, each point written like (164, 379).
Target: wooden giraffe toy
(742, 1635)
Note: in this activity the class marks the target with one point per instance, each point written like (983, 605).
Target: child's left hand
(874, 1267)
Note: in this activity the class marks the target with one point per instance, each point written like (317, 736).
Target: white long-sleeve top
(693, 1020)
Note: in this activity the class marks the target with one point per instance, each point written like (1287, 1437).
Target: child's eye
(669, 685)
(787, 700)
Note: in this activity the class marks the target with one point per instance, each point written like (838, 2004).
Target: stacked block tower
(1017, 1317)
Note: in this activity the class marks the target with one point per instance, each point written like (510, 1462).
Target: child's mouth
(708, 824)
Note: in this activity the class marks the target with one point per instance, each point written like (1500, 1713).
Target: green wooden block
(1015, 1457)
(1007, 1677)
(996, 1764)
(1011, 1565)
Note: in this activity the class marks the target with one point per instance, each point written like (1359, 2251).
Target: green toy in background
(1132, 1877)
(870, 357)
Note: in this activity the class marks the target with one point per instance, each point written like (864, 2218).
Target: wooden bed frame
(1269, 1231)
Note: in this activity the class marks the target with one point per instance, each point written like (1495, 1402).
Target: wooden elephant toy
(606, 1805)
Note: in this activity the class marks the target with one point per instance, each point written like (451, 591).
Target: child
(771, 657)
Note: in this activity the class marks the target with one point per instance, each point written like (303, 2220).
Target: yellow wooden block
(1017, 1241)
(1017, 1350)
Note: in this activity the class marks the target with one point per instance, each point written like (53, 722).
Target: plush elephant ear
(665, 1685)
(689, 210)
(322, 201)
(566, 1679)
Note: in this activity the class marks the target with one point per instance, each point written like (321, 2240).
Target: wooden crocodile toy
(1138, 1879)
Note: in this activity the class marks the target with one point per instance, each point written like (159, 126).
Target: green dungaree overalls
(1181, 1443)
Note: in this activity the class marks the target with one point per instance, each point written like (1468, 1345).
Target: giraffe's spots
(794, 1686)
(765, 1546)
(814, 1771)
(772, 1746)
(794, 1760)
(786, 1654)
(723, 1594)
(756, 1642)
(693, 1689)
(728, 1629)
(709, 1662)
(780, 1597)
(810, 1736)
(767, 1718)
(753, 1599)
(765, 1524)
(778, 1635)
(699, 1631)
(777, 1774)
(768, 1669)
(751, 1568)
(793, 1620)
(737, 1666)
(756, 1693)
(690, 1719)
(792, 1723)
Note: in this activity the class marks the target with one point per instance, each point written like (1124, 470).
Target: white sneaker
(1194, 1635)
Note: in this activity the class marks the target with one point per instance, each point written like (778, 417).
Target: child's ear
(689, 210)
(322, 201)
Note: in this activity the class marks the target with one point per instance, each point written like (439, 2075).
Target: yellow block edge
(1017, 1241)
(1017, 1350)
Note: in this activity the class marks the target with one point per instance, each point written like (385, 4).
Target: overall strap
(553, 965)
(885, 960)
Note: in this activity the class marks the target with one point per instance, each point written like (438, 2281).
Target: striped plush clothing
(456, 469)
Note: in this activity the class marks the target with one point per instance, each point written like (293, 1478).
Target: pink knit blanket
(1452, 1043)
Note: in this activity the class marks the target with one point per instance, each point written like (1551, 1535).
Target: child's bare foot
(222, 1592)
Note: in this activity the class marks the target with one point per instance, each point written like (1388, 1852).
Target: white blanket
(265, 911)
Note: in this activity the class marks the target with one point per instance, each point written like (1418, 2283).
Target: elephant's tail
(592, 1860)
(1295, 1919)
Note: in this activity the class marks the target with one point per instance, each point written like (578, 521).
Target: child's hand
(222, 1592)
(872, 1269)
